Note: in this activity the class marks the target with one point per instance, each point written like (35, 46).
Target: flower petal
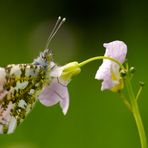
(116, 50)
(103, 71)
(56, 71)
(55, 93)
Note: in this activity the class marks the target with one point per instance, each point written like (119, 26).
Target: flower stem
(139, 92)
(100, 58)
(136, 114)
(125, 101)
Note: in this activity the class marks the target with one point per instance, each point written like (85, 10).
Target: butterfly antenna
(55, 29)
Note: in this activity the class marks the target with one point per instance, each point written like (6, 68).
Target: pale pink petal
(55, 93)
(116, 50)
(56, 71)
(48, 97)
(103, 71)
(64, 102)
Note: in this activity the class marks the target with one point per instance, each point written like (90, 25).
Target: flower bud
(132, 70)
(141, 83)
(70, 70)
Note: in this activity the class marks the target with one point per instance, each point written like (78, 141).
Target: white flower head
(57, 91)
(109, 71)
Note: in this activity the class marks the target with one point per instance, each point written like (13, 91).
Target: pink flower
(57, 91)
(109, 71)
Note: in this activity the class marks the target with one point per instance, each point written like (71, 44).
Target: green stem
(100, 58)
(136, 114)
(139, 92)
(125, 101)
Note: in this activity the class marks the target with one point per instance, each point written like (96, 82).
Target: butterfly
(21, 84)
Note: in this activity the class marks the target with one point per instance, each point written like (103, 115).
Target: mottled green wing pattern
(19, 86)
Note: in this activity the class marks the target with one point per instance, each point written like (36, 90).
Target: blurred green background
(95, 119)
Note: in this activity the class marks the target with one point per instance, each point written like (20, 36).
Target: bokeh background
(95, 119)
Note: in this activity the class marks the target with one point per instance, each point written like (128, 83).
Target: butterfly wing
(19, 86)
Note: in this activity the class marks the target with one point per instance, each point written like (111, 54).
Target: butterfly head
(44, 59)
